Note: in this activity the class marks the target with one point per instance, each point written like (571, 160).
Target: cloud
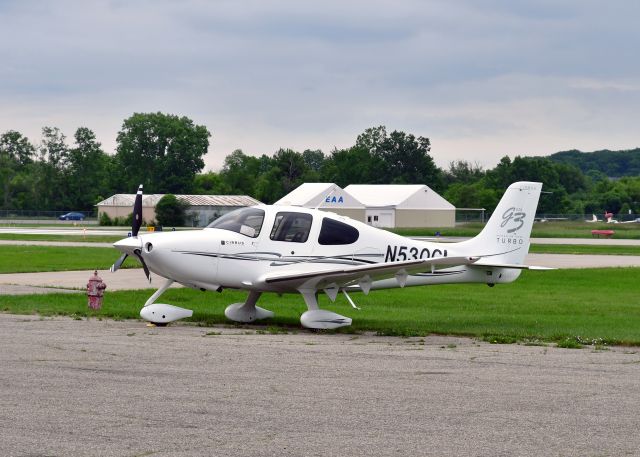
(481, 79)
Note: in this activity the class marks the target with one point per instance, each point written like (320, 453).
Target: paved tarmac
(124, 279)
(77, 388)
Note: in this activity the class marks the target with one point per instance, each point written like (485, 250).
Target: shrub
(170, 211)
(105, 219)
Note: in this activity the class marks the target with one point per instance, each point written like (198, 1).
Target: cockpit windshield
(246, 221)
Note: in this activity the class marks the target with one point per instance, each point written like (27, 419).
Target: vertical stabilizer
(506, 237)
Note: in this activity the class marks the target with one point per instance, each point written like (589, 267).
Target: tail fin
(505, 238)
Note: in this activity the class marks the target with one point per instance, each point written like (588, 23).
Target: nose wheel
(160, 313)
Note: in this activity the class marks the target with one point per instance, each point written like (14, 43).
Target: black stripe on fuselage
(281, 260)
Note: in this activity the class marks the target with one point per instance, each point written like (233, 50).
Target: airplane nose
(128, 245)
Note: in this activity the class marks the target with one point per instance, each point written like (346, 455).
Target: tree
(209, 183)
(240, 172)
(88, 170)
(353, 165)
(16, 155)
(371, 139)
(268, 187)
(474, 195)
(406, 158)
(500, 176)
(292, 168)
(51, 186)
(463, 172)
(162, 151)
(313, 159)
(170, 211)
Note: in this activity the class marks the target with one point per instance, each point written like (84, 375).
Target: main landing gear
(248, 312)
(315, 317)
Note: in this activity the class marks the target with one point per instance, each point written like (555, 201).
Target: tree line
(165, 153)
(602, 163)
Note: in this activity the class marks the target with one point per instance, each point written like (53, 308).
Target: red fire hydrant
(95, 291)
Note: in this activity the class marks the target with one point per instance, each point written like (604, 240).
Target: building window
(375, 218)
(369, 219)
(293, 227)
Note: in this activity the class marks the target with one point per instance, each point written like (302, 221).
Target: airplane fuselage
(215, 258)
(287, 249)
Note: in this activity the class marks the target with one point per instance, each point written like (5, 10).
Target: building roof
(319, 194)
(409, 196)
(151, 200)
(305, 192)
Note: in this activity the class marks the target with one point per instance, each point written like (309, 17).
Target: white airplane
(286, 249)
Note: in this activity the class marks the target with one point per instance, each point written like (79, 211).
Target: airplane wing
(362, 274)
(510, 265)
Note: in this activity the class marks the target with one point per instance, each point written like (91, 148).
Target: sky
(482, 79)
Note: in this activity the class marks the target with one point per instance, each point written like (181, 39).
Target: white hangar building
(325, 196)
(380, 205)
(202, 209)
(403, 205)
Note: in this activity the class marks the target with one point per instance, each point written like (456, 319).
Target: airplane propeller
(144, 265)
(118, 263)
(135, 228)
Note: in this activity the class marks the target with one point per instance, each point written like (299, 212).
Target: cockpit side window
(334, 232)
(293, 227)
(246, 221)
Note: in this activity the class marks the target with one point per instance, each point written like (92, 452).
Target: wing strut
(353, 305)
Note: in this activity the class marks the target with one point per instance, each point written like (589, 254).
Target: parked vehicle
(73, 216)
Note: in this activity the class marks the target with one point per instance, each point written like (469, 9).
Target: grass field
(579, 249)
(60, 238)
(555, 229)
(568, 307)
(23, 259)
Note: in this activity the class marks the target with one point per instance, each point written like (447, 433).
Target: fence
(39, 214)
(467, 215)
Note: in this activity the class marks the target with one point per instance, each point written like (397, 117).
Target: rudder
(506, 237)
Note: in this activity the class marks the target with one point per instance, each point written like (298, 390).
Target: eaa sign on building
(333, 199)
(325, 196)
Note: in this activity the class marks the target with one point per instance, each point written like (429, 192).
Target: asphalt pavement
(90, 387)
(77, 388)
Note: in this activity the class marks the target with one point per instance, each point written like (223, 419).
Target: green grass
(555, 229)
(61, 238)
(23, 259)
(584, 249)
(568, 307)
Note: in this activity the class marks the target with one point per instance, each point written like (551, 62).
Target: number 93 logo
(512, 215)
